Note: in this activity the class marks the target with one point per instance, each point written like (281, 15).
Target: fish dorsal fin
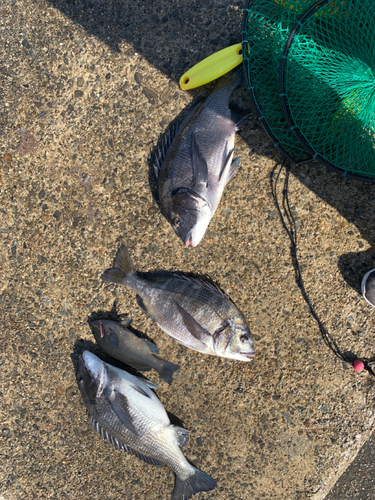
(163, 148)
(118, 444)
(120, 405)
(181, 434)
(204, 281)
(113, 338)
(145, 458)
(198, 162)
(242, 121)
(192, 325)
(170, 145)
(153, 347)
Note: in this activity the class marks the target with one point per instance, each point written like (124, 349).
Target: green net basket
(327, 84)
(310, 71)
(266, 28)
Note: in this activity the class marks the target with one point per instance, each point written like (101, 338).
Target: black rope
(289, 224)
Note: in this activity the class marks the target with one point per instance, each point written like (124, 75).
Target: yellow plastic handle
(212, 67)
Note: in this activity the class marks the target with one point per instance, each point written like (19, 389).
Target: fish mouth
(192, 239)
(188, 239)
(249, 355)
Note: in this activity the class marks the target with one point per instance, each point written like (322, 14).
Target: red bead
(358, 365)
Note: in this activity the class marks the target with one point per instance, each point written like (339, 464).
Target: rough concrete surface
(86, 90)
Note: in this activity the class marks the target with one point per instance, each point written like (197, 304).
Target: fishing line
(290, 227)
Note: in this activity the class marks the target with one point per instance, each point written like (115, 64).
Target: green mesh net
(324, 54)
(267, 25)
(329, 84)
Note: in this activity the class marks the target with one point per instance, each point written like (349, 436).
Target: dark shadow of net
(353, 199)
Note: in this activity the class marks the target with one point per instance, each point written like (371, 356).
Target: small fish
(193, 311)
(122, 344)
(127, 413)
(195, 163)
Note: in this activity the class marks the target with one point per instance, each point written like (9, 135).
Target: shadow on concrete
(174, 36)
(171, 35)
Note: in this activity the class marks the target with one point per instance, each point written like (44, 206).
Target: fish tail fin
(122, 267)
(166, 369)
(198, 481)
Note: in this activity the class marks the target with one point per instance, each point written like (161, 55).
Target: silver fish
(195, 163)
(127, 413)
(122, 344)
(193, 311)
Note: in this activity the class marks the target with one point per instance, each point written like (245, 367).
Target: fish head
(190, 215)
(234, 340)
(92, 375)
(106, 333)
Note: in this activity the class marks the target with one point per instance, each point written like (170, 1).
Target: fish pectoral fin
(149, 384)
(181, 434)
(233, 169)
(140, 390)
(192, 325)
(126, 322)
(113, 338)
(228, 170)
(153, 347)
(240, 123)
(143, 306)
(198, 162)
(120, 406)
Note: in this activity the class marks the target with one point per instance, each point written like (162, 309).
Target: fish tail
(122, 268)
(166, 369)
(198, 481)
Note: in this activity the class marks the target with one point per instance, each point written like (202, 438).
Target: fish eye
(244, 338)
(176, 221)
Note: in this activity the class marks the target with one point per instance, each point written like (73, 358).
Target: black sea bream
(192, 310)
(195, 163)
(125, 411)
(122, 344)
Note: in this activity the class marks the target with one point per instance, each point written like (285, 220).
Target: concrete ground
(86, 89)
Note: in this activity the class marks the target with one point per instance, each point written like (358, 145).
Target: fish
(194, 164)
(125, 411)
(122, 344)
(191, 309)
